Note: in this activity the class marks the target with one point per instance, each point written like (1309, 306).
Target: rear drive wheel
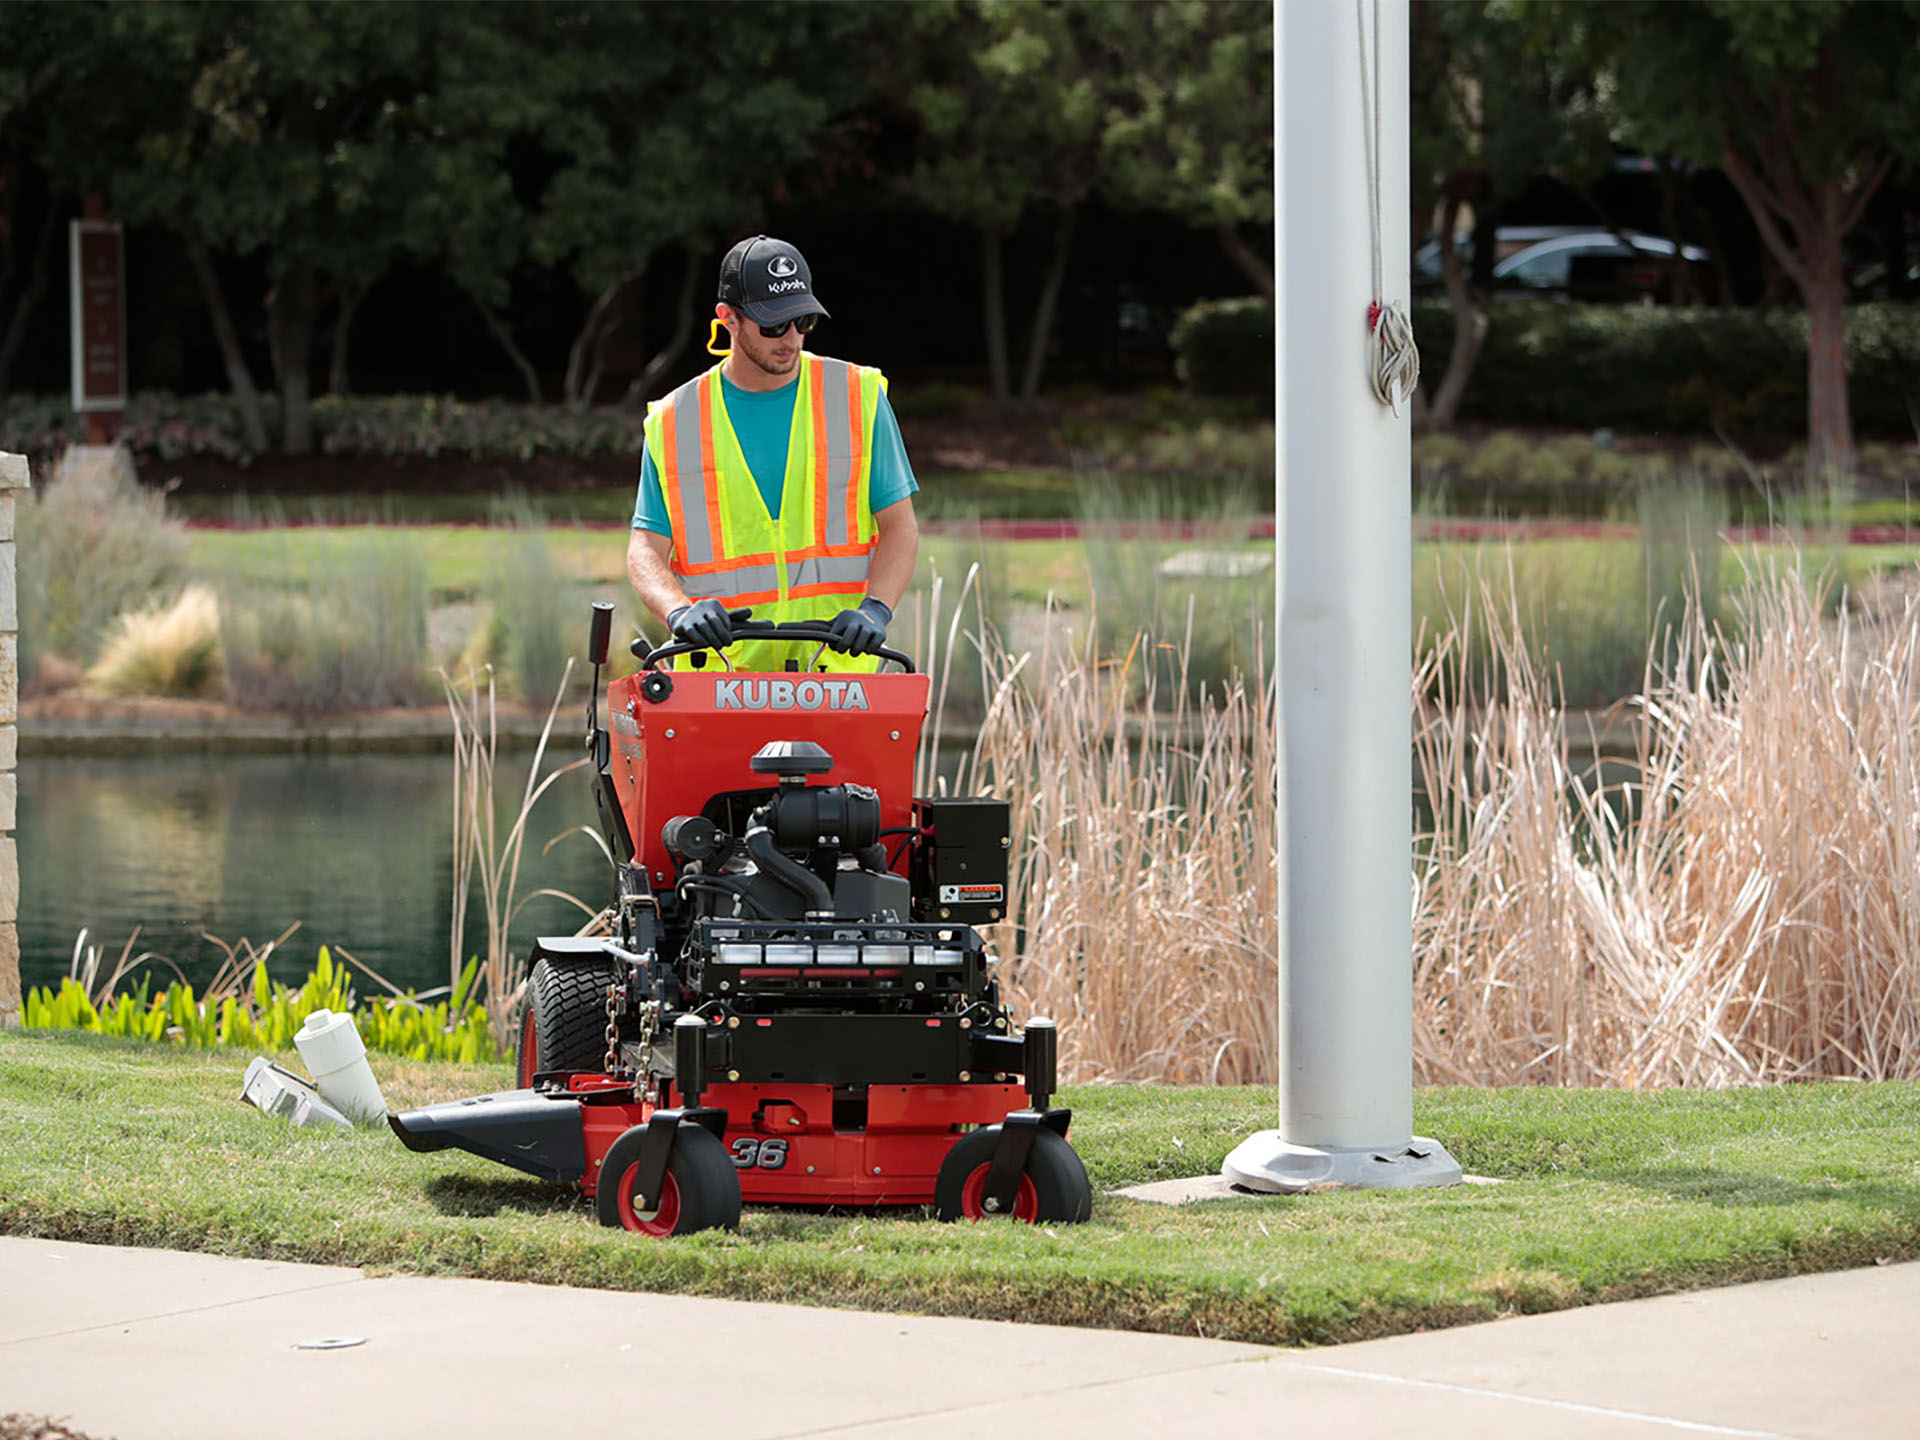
(564, 1026)
(701, 1189)
(1053, 1189)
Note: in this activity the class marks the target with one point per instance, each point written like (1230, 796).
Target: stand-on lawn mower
(795, 1007)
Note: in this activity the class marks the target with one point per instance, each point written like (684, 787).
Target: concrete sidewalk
(147, 1344)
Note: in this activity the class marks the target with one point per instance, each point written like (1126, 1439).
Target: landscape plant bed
(1606, 1195)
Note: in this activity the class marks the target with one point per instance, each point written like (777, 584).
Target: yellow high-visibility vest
(813, 561)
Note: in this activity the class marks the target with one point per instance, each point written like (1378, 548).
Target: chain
(615, 994)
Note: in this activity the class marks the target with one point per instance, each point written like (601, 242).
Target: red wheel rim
(660, 1222)
(1026, 1200)
(529, 1052)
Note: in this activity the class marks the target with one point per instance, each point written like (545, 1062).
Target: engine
(794, 852)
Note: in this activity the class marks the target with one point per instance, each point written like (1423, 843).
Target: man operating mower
(776, 482)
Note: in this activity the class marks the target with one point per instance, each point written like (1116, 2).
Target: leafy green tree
(280, 130)
(1012, 99)
(53, 76)
(1190, 131)
(1488, 111)
(1807, 105)
(683, 122)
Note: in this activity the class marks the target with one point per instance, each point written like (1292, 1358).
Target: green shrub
(1225, 347)
(165, 427)
(1655, 368)
(266, 1015)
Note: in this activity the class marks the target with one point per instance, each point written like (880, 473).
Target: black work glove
(862, 631)
(705, 622)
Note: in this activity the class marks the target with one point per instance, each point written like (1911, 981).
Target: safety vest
(812, 562)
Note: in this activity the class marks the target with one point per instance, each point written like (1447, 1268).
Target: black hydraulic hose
(784, 868)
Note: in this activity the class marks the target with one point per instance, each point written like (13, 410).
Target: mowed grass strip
(1606, 1195)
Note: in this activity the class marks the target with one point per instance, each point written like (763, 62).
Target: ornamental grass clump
(1143, 900)
(94, 544)
(340, 625)
(167, 649)
(1743, 910)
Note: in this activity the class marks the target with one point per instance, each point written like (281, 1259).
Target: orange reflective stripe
(829, 587)
(752, 597)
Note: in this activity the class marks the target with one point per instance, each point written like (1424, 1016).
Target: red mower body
(673, 755)
(794, 1006)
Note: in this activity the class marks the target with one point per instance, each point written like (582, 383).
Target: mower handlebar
(796, 631)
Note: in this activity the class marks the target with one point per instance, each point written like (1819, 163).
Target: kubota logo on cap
(781, 266)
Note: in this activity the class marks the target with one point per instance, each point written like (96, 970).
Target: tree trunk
(1829, 417)
(500, 331)
(1043, 312)
(16, 334)
(339, 376)
(1820, 214)
(583, 359)
(683, 325)
(1680, 286)
(994, 305)
(239, 377)
(1242, 254)
(1469, 327)
(290, 314)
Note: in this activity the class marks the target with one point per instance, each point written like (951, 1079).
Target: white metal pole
(1344, 597)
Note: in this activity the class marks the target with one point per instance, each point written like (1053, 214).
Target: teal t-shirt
(763, 421)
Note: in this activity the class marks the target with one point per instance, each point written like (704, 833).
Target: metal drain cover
(331, 1342)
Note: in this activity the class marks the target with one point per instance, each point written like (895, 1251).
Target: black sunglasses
(804, 324)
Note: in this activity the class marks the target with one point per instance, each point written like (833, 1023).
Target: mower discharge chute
(795, 1006)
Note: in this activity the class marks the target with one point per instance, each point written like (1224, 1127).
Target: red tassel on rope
(1373, 316)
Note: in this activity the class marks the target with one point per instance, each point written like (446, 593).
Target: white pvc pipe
(1344, 597)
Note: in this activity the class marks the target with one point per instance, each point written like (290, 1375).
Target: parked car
(1595, 265)
(1567, 263)
(1507, 240)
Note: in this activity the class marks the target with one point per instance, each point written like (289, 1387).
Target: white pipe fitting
(336, 1056)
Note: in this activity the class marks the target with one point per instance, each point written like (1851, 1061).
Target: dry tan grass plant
(168, 649)
(1744, 911)
(1143, 908)
(481, 851)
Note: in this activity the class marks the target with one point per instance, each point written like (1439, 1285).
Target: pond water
(354, 846)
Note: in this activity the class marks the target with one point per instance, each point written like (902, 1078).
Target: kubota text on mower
(794, 1006)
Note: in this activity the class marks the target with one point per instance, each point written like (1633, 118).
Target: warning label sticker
(972, 894)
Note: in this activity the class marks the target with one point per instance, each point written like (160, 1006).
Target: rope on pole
(1394, 368)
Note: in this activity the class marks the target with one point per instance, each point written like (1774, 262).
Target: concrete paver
(137, 1343)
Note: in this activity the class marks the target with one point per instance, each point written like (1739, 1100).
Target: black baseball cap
(768, 280)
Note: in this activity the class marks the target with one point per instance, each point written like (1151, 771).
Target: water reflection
(353, 846)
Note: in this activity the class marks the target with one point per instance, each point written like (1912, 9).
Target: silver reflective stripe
(847, 570)
(701, 545)
(747, 580)
(834, 377)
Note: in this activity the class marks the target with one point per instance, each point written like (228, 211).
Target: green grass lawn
(1606, 1196)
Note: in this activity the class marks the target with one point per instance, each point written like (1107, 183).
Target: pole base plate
(1267, 1163)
